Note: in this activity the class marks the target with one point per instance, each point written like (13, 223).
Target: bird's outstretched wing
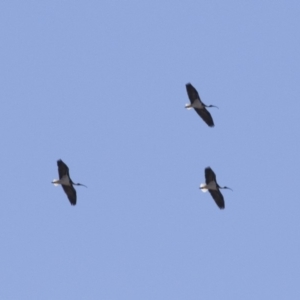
(218, 197)
(71, 193)
(206, 116)
(192, 93)
(62, 169)
(210, 175)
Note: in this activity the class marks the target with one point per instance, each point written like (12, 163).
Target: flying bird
(212, 186)
(66, 182)
(198, 105)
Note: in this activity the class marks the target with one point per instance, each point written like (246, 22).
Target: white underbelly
(65, 180)
(197, 104)
(211, 186)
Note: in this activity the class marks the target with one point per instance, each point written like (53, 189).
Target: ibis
(212, 186)
(66, 182)
(198, 105)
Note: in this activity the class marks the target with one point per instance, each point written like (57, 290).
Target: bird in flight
(198, 105)
(212, 186)
(66, 182)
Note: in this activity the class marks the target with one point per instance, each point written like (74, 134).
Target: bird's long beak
(213, 106)
(188, 106)
(227, 188)
(80, 184)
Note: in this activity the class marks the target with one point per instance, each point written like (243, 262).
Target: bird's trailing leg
(203, 187)
(55, 182)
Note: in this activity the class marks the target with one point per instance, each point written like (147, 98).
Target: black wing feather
(210, 175)
(206, 116)
(62, 169)
(192, 93)
(71, 193)
(218, 197)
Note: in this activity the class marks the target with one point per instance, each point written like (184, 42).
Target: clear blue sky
(101, 85)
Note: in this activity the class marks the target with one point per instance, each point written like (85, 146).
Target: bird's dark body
(68, 189)
(216, 194)
(202, 112)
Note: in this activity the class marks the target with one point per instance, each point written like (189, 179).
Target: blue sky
(101, 85)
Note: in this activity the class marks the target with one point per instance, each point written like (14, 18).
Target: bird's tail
(55, 182)
(202, 187)
(188, 106)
